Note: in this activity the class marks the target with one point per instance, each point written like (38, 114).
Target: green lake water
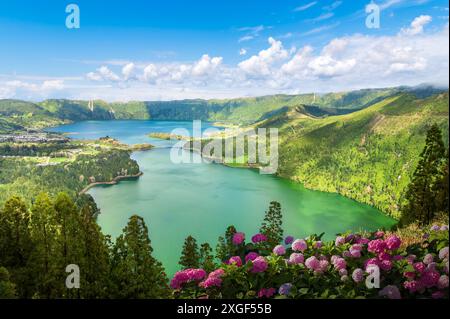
(178, 200)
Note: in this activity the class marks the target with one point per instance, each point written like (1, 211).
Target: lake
(177, 200)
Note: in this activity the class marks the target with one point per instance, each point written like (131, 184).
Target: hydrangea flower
(339, 241)
(259, 265)
(428, 259)
(266, 292)
(258, 238)
(279, 250)
(296, 258)
(358, 275)
(318, 244)
(211, 282)
(187, 275)
(379, 234)
(393, 242)
(443, 253)
(289, 240)
(391, 292)
(251, 256)
(443, 282)
(419, 267)
(235, 260)
(238, 238)
(285, 289)
(299, 245)
(435, 228)
(376, 246)
(339, 263)
(312, 263)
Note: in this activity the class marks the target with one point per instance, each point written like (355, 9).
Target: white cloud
(260, 64)
(242, 51)
(103, 73)
(417, 25)
(246, 38)
(344, 63)
(305, 7)
(333, 6)
(128, 71)
(206, 65)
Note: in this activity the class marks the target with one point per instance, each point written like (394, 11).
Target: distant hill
(368, 155)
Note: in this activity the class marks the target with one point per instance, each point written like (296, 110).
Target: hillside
(368, 155)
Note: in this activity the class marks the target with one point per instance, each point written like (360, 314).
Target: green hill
(368, 155)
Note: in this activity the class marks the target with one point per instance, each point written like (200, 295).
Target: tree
(7, 288)
(421, 194)
(441, 187)
(225, 247)
(134, 271)
(190, 257)
(44, 231)
(70, 242)
(271, 226)
(96, 252)
(16, 245)
(206, 258)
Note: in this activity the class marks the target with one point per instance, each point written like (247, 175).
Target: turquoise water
(178, 200)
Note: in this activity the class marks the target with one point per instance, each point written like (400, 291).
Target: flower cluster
(306, 267)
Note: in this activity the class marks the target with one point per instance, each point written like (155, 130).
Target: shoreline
(115, 180)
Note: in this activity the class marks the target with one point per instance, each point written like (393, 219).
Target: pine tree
(96, 262)
(271, 226)
(16, 245)
(206, 258)
(421, 193)
(190, 257)
(44, 231)
(7, 288)
(225, 247)
(70, 242)
(134, 271)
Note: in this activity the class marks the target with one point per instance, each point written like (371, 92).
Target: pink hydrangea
(339, 241)
(391, 292)
(362, 241)
(217, 273)
(437, 295)
(443, 253)
(258, 238)
(376, 246)
(356, 247)
(358, 275)
(235, 260)
(355, 253)
(266, 292)
(187, 275)
(339, 263)
(379, 234)
(323, 266)
(343, 272)
(409, 274)
(410, 259)
(318, 244)
(238, 238)
(386, 265)
(443, 282)
(393, 242)
(430, 278)
(371, 262)
(296, 258)
(413, 286)
(259, 264)
(384, 256)
(419, 267)
(211, 282)
(312, 263)
(251, 256)
(299, 245)
(279, 250)
(428, 259)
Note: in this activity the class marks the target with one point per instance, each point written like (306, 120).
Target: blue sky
(216, 49)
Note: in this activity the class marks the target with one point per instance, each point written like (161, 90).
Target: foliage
(271, 226)
(190, 255)
(427, 182)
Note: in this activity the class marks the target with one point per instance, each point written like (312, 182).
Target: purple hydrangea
(259, 264)
(285, 289)
(299, 245)
(238, 238)
(279, 250)
(289, 240)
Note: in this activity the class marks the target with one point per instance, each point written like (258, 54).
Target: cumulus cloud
(261, 64)
(417, 25)
(128, 71)
(103, 73)
(344, 63)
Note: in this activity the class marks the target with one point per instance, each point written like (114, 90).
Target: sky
(167, 50)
